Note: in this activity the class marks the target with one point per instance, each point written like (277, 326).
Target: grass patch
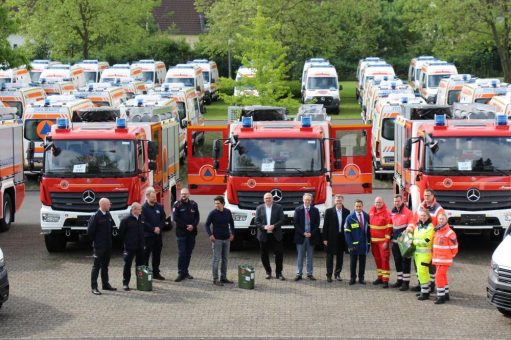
(350, 109)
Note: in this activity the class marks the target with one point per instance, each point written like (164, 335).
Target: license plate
(473, 219)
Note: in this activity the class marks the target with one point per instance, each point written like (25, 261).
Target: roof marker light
(306, 121)
(62, 123)
(404, 100)
(501, 120)
(246, 122)
(140, 102)
(440, 120)
(46, 101)
(120, 123)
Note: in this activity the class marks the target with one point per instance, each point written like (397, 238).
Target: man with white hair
(132, 232)
(99, 231)
(154, 220)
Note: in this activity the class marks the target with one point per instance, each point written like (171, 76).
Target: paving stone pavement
(50, 297)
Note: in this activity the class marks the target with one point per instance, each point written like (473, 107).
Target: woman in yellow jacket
(423, 240)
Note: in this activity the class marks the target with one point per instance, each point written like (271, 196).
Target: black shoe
(385, 285)
(440, 300)
(109, 288)
(268, 276)
(423, 296)
(180, 278)
(311, 277)
(217, 283)
(158, 277)
(362, 281)
(397, 284)
(352, 282)
(329, 279)
(189, 277)
(405, 286)
(298, 277)
(447, 297)
(338, 278)
(281, 278)
(95, 291)
(377, 282)
(416, 288)
(226, 281)
(126, 288)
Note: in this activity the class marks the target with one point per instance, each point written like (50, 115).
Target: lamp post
(229, 41)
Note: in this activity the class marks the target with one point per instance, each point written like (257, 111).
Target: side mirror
(216, 164)
(337, 149)
(340, 87)
(152, 150)
(217, 147)
(408, 149)
(30, 154)
(152, 165)
(183, 123)
(407, 164)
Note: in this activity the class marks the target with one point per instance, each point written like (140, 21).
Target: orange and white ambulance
(121, 73)
(102, 94)
(93, 69)
(362, 64)
(244, 86)
(482, 90)
(370, 71)
(502, 104)
(37, 66)
(63, 72)
(415, 69)
(153, 72)
(17, 75)
(431, 74)
(19, 97)
(188, 74)
(210, 77)
(38, 120)
(322, 87)
(449, 89)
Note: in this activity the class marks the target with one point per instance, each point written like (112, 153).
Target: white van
(153, 72)
(17, 75)
(308, 63)
(449, 89)
(498, 289)
(322, 87)
(431, 75)
(483, 90)
(414, 70)
(93, 69)
(502, 104)
(369, 72)
(121, 73)
(189, 75)
(37, 66)
(210, 78)
(63, 72)
(245, 89)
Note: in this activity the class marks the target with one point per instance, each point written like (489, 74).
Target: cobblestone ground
(50, 297)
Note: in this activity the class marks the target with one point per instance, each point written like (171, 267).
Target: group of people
(355, 233)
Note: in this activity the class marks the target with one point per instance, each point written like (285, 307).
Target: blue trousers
(185, 245)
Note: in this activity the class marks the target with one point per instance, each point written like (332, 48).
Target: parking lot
(50, 296)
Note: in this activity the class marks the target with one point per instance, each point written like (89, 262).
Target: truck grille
(74, 201)
(251, 199)
(489, 200)
(504, 275)
(323, 100)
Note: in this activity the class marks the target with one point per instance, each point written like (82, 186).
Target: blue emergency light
(166, 87)
(306, 121)
(440, 120)
(91, 87)
(404, 100)
(385, 78)
(62, 123)
(140, 102)
(246, 122)
(501, 120)
(120, 123)
(393, 85)
(465, 77)
(46, 101)
(494, 83)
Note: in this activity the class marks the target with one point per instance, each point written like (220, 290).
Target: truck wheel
(5, 222)
(55, 242)
(505, 312)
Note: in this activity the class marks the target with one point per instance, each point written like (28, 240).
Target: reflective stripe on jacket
(380, 224)
(445, 245)
(402, 218)
(423, 236)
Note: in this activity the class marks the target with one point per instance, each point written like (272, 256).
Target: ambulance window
(411, 73)
(353, 142)
(387, 128)
(181, 111)
(196, 107)
(206, 148)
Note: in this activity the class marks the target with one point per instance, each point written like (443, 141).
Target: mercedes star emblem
(473, 195)
(89, 196)
(277, 195)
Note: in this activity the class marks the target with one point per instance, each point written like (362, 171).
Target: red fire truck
(465, 161)
(286, 158)
(12, 183)
(84, 162)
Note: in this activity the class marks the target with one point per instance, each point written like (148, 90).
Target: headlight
(50, 218)
(494, 267)
(507, 217)
(239, 217)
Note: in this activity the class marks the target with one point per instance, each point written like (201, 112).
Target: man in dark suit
(356, 231)
(269, 219)
(333, 237)
(307, 235)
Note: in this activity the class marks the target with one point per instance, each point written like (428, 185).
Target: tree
(9, 57)
(85, 28)
(267, 56)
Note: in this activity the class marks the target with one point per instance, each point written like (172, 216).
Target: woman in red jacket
(445, 248)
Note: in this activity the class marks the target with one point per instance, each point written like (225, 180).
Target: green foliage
(8, 56)
(226, 86)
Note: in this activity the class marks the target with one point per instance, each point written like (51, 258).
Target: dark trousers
(101, 261)
(339, 258)
(185, 245)
(128, 261)
(361, 266)
(403, 264)
(272, 244)
(153, 245)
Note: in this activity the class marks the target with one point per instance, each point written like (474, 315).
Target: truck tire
(5, 222)
(505, 312)
(55, 242)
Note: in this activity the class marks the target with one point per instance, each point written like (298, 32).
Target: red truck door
(203, 179)
(355, 175)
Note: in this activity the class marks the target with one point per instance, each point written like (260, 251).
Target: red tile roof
(178, 13)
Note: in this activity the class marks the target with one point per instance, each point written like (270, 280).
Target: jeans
(306, 248)
(272, 244)
(128, 261)
(220, 249)
(101, 261)
(185, 245)
(153, 245)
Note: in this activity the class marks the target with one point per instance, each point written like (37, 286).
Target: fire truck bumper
(477, 221)
(53, 220)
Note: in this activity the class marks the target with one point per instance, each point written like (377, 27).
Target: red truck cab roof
(286, 129)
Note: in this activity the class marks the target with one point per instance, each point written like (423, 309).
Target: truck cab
(188, 74)
(432, 73)
(322, 87)
(211, 78)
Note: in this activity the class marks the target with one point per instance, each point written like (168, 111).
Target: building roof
(180, 14)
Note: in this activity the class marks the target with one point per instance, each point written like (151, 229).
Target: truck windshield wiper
(251, 172)
(446, 169)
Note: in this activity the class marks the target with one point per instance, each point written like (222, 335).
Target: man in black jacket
(99, 231)
(268, 220)
(132, 233)
(154, 217)
(186, 217)
(333, 237)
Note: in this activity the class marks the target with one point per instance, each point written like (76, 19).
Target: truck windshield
(34, 76)
(465, 156)
(148, 76)
(278, 156)
(322, 83)
(188, 82)
(90, 76)
(434, 80)
(87, 158)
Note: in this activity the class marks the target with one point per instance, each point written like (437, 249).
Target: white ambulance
(17, 75)
(121, 73)
(322, 87)
(93, 69)
(189, 75)
(369, 72)
(37, 66)
(153, 72)
(102, 94)
(210, 78)
(482, 90)
(63, 72)
(414, 70)
(431, 75)
(19, 96)
(243, 86)
(502, 104)
(449, 89)
(308, 63)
